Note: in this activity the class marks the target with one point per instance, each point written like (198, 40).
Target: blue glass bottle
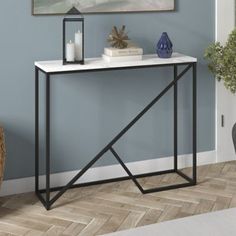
(164, 46)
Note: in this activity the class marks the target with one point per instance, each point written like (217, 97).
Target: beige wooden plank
(215, 170)
(172, 202)
(131, 221)
(97, 209)
(55, 231)
(26, 223)
(93, 227)
(233, 201)
(150, 217)
(74, 229)
(21, 200)
(178, 196)
(189, 208)
(182, 214)
(112, 224)
(34, 233)
(11, 217)
(214, 190)
(75, 217)
(204, 206)
(221, 203)
(114, 204)
(82, 208)
(13, 229)
(6, 234)
(129, 200)
(196, 193)
(169, 213)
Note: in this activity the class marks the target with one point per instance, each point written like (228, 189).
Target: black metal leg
(48, 141)
(37, 191)
(175, 119)
(36, 129)
(195, 123)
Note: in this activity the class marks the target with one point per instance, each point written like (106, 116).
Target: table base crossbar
(120, 179)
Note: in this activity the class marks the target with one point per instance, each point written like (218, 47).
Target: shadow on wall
(23, 146)
(106, 106)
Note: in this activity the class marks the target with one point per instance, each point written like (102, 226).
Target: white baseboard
(24, 185)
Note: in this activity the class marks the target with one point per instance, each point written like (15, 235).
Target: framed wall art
(61, 7)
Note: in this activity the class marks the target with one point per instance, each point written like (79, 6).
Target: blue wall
(89, 109)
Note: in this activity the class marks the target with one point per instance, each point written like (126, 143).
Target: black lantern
(73, 50)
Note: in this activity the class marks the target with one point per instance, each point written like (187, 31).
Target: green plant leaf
(222, 61)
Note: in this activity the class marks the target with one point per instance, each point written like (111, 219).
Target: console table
(49, 68)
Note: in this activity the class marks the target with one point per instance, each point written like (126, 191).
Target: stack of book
(120, 55)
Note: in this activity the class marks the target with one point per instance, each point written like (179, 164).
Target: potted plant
(222, 63)
(2, 154)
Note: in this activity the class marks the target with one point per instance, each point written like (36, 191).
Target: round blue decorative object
(164, 46)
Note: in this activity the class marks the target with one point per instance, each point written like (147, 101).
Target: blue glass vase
(164, 46)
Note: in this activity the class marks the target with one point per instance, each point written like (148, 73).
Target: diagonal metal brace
(126, 169)
(117, 137)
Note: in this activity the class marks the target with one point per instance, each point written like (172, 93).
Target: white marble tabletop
(99, 64)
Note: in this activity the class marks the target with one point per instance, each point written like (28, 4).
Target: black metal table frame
(47, 202)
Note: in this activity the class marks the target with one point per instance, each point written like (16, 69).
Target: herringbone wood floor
(112, 207)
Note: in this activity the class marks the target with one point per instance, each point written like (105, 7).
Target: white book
(116, 52)
(122, 58)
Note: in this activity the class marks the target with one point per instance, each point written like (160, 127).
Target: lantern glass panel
(73, 40)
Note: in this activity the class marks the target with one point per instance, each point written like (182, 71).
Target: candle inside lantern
(78, 46)
(70, 51)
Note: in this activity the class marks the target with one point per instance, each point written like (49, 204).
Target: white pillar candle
(70, 52)
(78, 46)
